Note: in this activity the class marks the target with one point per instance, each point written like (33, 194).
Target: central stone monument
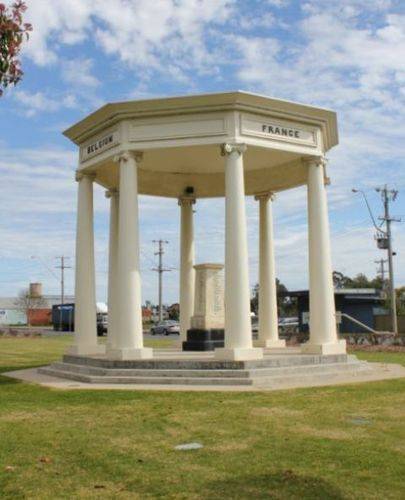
(207, 323)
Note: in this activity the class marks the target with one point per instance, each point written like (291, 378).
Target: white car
(166, 328)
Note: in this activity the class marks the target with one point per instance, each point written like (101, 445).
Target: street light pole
(160, 270)
(62, 268)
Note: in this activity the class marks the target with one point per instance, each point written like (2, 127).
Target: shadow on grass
(283, 484)
(8, 380)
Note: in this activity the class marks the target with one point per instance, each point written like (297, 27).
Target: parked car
(102, 323)
(288, 325)
(166, 328)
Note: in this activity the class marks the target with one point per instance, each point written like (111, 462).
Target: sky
(347, 56)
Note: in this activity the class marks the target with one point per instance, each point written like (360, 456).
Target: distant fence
(382, 322)
(383, 339)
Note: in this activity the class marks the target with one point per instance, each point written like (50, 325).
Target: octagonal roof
(180, 138)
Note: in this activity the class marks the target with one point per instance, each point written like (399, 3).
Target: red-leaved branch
(12, 33)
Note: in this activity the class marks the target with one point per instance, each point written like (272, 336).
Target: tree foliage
(359, 281)
(12, 33)
(26, 302)
(285, 305)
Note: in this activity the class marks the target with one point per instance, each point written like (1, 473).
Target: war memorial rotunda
(232, 144)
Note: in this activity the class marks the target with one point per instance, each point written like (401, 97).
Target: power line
(160, 270)
(50, 271)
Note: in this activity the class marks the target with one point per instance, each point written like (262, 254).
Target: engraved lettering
(283, 131)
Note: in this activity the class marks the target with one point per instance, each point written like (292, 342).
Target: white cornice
(110, 114)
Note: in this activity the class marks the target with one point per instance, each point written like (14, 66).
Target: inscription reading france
(286, 132)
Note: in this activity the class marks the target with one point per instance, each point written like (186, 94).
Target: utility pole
(62, 268)
(160, 270)
(384, 242)
(388, 195)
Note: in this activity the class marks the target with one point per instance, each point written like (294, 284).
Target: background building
(30, 304)
(363, 304)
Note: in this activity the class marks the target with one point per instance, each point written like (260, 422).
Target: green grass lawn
(382, 357)
(334, 442)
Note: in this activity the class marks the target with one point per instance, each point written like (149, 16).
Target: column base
(86, 349)
(238, 353)
(338, 347)
(271, 344)
(122, 354)
(199, 339)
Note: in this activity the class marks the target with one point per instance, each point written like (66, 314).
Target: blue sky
(346, 55)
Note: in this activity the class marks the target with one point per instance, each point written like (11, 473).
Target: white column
(85, 287)
(238, 327)
(112, 194)
(129, 337)
(187, 272)
(322, 322)
(268, 317)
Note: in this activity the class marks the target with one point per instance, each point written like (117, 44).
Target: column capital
(228, 148)
(111, 192)
(319, 161)
(186, 200)
(127, 155)
(266, 195)
(80, 175)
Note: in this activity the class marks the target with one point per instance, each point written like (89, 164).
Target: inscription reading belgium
(286, 132)
(102, 143)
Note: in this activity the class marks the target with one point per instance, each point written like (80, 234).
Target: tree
(359, 281)
(174, 312)
(400, 293)
(286, 306)
(12, 33)
(26, 302)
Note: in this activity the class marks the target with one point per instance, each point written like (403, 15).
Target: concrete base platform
(238, 354)
(378, 371)
(130, 354)
(271, 344)
(87, 350)
(338, 347)
(173, 370)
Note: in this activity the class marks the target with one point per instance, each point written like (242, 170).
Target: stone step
(308, 379)
(274, 381)
(91, 379)
(131, 372)
(307, 369)
(283, 360)
(183, 373)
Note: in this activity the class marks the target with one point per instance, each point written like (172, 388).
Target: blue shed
(361, 304)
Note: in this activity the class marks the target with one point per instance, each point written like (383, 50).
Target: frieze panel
(176, 129)
(96, 146)
(278, 130)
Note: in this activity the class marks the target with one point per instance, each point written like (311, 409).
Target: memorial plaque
(207, 323)
(209, 309)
